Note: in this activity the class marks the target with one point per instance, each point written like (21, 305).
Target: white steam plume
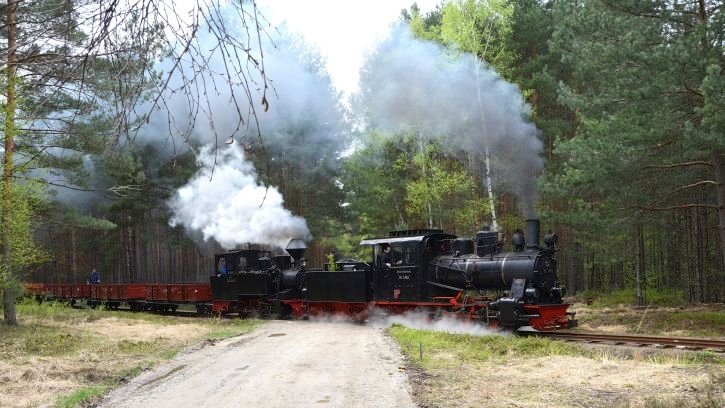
(422, 321)
(225, 202)
(417, 320)
(408, 83)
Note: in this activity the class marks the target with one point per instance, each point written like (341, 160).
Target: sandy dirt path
(281, 364)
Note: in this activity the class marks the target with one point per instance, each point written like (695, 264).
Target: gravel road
(281, 364)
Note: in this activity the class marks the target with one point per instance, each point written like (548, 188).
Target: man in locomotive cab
(222, 268)
(385, 259)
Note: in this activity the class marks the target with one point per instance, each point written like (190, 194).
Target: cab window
(403, 255)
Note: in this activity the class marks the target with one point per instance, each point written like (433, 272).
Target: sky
(343, 30)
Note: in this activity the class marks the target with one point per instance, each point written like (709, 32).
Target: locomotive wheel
(284, 312)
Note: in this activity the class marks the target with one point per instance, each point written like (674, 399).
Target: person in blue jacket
(94, 277)
(222, 270)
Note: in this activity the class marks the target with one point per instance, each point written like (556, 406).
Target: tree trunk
(674, 280)
(718, 163)
(570, 283)
(74, 257)
(695, 256)
(10, 294)
(131, 253)
(486, 153)
(640, 266)
(575, 268)
(618, 278)
(700, 255)
(689, 245)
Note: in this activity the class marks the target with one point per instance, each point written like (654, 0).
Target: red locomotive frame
(168, 297)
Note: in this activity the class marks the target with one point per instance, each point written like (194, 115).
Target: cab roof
(407, 236)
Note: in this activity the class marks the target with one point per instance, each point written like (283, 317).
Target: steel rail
(688, 343)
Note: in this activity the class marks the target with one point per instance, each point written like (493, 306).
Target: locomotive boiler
(526, 277)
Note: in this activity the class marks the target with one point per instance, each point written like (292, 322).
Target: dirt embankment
(282, 364)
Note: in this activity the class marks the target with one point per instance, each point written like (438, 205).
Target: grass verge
(81, 397)
(70, 357)
(691, 321)
(441, 349)
(453, 370)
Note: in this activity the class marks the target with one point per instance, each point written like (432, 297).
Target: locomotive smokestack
(532, 233)
(296, 248)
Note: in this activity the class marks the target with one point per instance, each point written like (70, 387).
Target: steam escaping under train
(425, 271)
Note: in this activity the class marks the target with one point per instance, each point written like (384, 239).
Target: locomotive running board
(444, 286)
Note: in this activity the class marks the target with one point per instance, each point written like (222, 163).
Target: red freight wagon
(108, 295)
(81, 291)
(132, 291)
(176, 293)
(36, 289)
(189, 293)
(197, 292)
(159, 293)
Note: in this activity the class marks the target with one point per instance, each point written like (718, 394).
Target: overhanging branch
(674, 207)
(676, 165)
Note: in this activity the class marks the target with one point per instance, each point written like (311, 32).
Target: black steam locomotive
(431, 271)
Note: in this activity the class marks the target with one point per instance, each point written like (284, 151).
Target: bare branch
(675, 207)
(677, 165)
(123, 191)
(693, 185)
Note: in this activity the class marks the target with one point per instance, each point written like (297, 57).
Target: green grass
(80, 398)
(56, 310)
(693, 358)
(53, 329)
(705, 317)
(137, 347)
(39, 340)
(443, 350)
(224, 328)
(124, 375)
(168, 354)
(446, 350)
(654, 297)
(694, 323)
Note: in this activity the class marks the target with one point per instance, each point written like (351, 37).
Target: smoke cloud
(411, 84)
(304, 124)
(421, 321)
(224, 201)
(417, 320)
(301, 98)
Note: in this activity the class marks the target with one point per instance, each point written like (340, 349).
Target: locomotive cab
(245, 273)
(405, 279)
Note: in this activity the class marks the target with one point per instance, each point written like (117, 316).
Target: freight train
(426, 271)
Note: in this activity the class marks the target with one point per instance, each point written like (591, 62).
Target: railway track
(682, 343)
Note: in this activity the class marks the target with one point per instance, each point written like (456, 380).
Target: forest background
(628, 97)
